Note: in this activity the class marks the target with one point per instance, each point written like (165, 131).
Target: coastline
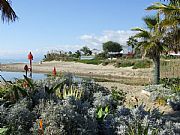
(109, 72)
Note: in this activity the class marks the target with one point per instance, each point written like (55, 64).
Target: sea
(13, 75)
(10, 61)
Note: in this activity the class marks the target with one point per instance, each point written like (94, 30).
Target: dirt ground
(134, 92)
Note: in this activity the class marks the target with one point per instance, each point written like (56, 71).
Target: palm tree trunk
(156, 61)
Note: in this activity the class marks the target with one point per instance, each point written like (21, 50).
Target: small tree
(112, 47)
(77, 54)
(132, 42)
(86, 50)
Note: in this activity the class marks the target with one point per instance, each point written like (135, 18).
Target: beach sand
(98, 71)
(122, 77)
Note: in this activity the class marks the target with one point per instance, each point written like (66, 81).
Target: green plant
(172, 83)
(124, 63)
(118, 95)
(3, 91)
(142, 64)
(3, 131)
(94, 61)
(102, 112)
(68, 92)
(139, 129)
(105, 62)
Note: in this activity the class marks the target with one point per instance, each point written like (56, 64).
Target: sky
(44, 25)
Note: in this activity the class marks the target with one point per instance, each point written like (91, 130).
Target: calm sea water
(10, 76)
(8, 61)
(19, 75)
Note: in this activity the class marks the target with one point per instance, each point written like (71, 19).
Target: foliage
(158, 92)
(77, 54)
(3, 91)
(118, 95)
(135, 63)
(124, 63)
(65, 111)
(60, 55)
(111, 47)
(172, 83)
(101, 56)
(3, 131)
(8, 13)
(19, 118)
(142, 64)
(86, 50)
(94, 61)
(105, 62)
(70, 91)
(102, 112)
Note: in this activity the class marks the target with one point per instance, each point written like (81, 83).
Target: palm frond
(170, 11)
(142, 33)
(8, 14)
(151, 21)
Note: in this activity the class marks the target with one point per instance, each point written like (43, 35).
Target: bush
(3, 91)
(94, 61)
(97, 111)
(172, 83)
(20, 118)
(106, 62)
(142, 64)
(124, 63)
(134, 63)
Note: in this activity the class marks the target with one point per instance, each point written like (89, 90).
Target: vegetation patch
(134, 63)
(94, 61)
(142, 64)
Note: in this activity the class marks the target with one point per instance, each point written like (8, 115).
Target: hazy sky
(69, 24)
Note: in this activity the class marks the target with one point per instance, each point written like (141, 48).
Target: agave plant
(69, 91)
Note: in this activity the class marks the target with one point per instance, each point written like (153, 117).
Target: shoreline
(108, 73)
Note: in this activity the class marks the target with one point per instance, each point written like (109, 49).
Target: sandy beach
(125, 79)
(98, 71)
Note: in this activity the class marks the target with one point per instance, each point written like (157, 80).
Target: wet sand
(108, 72)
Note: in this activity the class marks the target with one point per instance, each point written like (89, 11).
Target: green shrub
(3, 91)
(94, 62)
(142, 64)
(105, 62)
(172, 83)
(124, 63)
(134, 63)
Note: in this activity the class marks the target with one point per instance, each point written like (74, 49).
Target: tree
(170, 12)
(112, 47)
(170, 15)
(150, 40)
(86, 50)
(77, 54)
(135, 50)
(173, 40)
(173, 1)
(132, 42)
(8, 13)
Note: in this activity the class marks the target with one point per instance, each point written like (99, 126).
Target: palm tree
(171, 19)
(171, 12)
(8, 13)
(173, 1)
(150, 41)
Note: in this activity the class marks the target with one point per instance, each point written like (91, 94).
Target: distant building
(172, 53)
(87, 57)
